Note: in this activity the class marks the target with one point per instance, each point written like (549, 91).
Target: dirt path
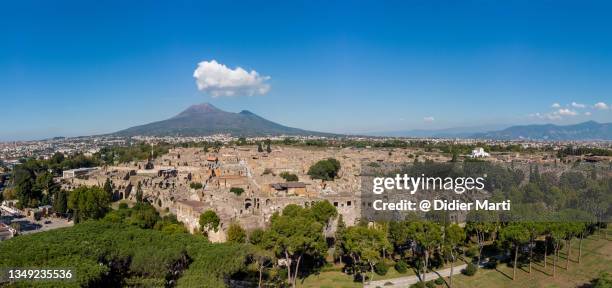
(409, 280)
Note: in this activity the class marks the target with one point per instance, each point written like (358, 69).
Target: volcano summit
(206, 119)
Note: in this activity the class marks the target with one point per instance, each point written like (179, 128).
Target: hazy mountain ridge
(589, 130)
(454, 132)
(206, 119)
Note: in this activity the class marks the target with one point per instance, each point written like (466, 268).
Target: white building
(77, 172)
(479, 153)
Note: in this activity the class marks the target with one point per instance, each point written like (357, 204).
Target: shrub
(470, 270)
(471, 252)
(236, 234)
(237, 190)
(401, 266)
(430, 284)
(604, 281)
(123, 205)
(381, 269)
(289, 177)
(195, 185)
(418, 285)
(439, 281)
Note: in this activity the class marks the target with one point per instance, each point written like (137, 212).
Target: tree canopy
(326, 169)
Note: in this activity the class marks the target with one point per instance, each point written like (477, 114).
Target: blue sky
(83, 67)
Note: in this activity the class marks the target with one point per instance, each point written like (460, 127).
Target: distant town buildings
(244, 185)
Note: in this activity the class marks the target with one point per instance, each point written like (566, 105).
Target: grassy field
(596, 258)
(336, 278)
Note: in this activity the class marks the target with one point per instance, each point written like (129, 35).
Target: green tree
(46, 185)
(535, 229)
(480, 223)
(453, 237)
(364, 245)
(139, 193)
(108, 187)
(143, 215)
(237, 190)
(402, 234)
(572, 229)
(326, 169)
(293, 236)
(557, 232)
(60, 201)
(236, 234)
(429, 237)
(340, 230)
(323, 212)
(262, 259)
(515, 234)
(257, 237)
(24, 179)
(209, 220)
(268, 149)
(88, 203)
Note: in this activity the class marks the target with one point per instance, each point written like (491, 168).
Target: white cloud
(566, 112)
(429, 119)
(601, 106)
(578, 105)
(219, 80)
(587, 113)
(555, 105)
(548, 116)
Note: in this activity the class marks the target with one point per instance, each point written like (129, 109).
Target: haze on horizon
(72, 68)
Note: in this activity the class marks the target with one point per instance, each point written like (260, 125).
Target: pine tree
(108, 187)
(139, 196)
(60, 201)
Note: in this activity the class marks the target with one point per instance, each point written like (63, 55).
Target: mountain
(455, 132)
(206, 119)
(590, 130)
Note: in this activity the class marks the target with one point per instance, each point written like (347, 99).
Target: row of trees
(300, 238)
(426, 245)
(296, 236)
(427, 145)
(32, 180)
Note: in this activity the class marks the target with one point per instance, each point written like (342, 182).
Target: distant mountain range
(455, 132)
(206, 119)
(590, 130)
